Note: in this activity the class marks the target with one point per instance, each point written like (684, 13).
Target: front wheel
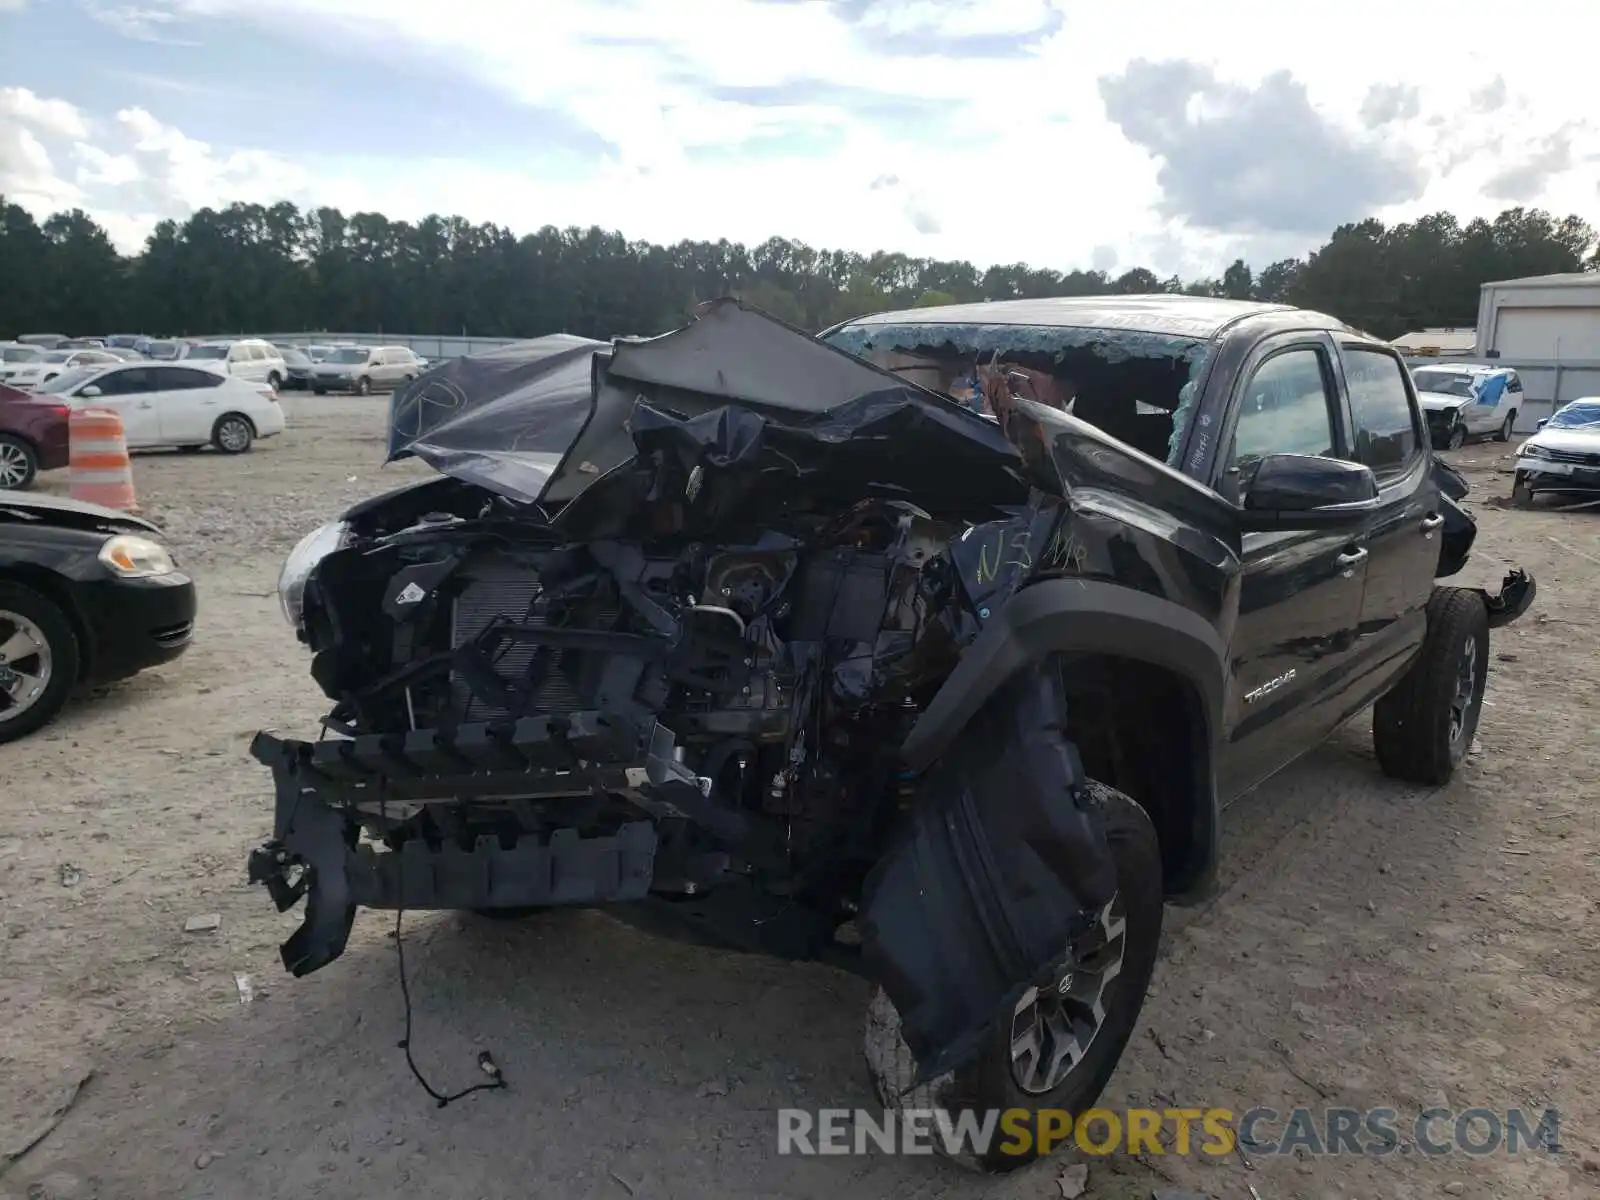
(1521, 493)
(363, 386)
(1506, 426)
(233, 433)
(1457, 438)
(1423, 728)
(18, 463)
(38, 660)
(1060, 1045)
(275, 381)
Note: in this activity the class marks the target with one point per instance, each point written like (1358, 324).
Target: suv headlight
(1534, 451)
(133, 557)
(302, 560)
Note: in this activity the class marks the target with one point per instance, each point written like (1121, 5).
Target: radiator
(507, 590)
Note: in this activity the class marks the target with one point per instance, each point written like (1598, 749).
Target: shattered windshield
(1577, 416)
(1135, 386)
(1444, 383)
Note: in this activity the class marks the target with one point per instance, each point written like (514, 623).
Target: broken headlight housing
(302, 560)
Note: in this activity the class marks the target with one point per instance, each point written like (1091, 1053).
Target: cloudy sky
(1057, 132)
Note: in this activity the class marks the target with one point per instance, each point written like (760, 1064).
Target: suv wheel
(18, 463)
(1423, 728)
(274, 381)
(1521, 493)
(38, 660)
(1062, 1043)
(363, 386)
(1458, 436)
(1506, 426)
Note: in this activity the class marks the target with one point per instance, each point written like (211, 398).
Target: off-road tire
(18, 455)
(233, 421)
(62, 641)
(363, 386)
(1411, 725)
(1521, 493)
(1506, 427)
(986, 1082)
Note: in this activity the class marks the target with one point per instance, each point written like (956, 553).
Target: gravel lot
(1374, 944)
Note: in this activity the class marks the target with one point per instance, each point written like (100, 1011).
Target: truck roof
(1173, 315)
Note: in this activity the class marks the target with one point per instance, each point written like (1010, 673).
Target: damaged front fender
(997, 869)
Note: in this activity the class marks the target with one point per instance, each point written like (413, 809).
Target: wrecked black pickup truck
(931, 647)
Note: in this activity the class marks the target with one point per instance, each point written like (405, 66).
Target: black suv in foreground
(932, 647)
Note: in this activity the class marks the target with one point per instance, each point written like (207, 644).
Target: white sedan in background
(28, 372)
(173, 404)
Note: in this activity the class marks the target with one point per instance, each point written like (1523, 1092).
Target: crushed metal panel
(739, 353)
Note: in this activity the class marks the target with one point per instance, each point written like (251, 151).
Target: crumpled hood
(1573, 441)
(1441, 401)
(541, 420)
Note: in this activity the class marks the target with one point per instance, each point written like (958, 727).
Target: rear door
(190, 404)
(1403, 536)
(1300, 591)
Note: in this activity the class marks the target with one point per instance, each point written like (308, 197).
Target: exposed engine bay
(766, 684)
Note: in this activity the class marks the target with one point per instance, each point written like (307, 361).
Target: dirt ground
(1374, 945)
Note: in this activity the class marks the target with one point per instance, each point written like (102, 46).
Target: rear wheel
(38, 660)
(233, 433)
(18, 463)
(275, 381)
(1506, 426)
(1423, 728)
(1063, 1040)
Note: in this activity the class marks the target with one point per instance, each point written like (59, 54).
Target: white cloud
(1010, 159)
(141, 24)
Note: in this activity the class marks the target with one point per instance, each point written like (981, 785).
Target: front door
(1489, 406)
(1403, 535)
(127, 392)
(1300, 591)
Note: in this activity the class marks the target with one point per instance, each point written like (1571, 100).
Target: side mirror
(89, 390)
(1307, 491)
(1543, 421)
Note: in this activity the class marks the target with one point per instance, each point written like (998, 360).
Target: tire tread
(1410, 724)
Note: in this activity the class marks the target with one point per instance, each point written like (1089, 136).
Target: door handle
(1349, 560)
(1431, 523)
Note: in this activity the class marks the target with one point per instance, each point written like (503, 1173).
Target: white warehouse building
(1548, 328)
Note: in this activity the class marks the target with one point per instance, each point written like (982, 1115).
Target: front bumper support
(324, 789)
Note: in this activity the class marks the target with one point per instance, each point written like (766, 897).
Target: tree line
(278, 268)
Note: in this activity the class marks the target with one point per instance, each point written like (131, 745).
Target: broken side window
(1133, 385)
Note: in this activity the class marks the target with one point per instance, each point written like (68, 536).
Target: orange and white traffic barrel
(101, 472)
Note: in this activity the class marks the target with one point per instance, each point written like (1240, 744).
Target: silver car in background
(365, 369)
